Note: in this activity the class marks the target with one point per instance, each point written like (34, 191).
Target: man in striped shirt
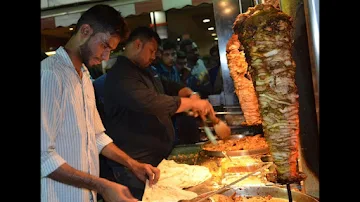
(72, 134)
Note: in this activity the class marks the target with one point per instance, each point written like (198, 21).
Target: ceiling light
(70, 28)
(215, 38)
(213, 34)
(49, 53)
(227, 10)
(211, 28)
(178, 39)
(206, 20)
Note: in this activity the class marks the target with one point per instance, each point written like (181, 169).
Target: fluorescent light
(50, 53)
(227, 10)
(213, 34)
(215, 38)
(206, 20)
(211, 28)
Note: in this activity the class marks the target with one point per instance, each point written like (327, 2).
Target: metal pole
(240, 6)
(225, 13)
(154, 21)
(312, 21)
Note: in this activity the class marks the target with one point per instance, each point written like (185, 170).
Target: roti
(174, 177)
(182, 175)
(162, 193)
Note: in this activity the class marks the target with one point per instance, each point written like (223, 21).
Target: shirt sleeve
(101, 138)
(50, 114)
(130, 90)
(171, 87)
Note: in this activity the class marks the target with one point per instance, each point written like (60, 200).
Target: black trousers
(124, 176)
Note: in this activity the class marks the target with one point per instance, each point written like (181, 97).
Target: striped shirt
(71, 128)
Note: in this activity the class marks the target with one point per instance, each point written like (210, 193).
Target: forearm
(111, 151)
(185, 105)
(69, 175)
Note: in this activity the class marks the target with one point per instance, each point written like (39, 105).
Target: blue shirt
(166, 74)
(99, 84)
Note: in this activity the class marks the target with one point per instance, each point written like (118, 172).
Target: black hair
(168, 44)
(144, 34)
(104, 18)
(185, 43)
(181, 55)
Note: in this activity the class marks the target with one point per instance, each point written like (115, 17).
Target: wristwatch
(194, 93)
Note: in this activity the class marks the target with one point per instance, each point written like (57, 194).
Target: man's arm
(50, 116)
(129, 89)
(141, 170)
(111, 191)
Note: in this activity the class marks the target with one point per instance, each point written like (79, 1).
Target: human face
(192, 53)
(146, 52)
(98, 48)
(169, 57)
(181, 63)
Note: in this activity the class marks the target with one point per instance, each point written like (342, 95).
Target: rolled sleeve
(50, 161)
(102, 140)
(50, 116)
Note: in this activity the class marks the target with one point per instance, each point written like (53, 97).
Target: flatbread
(174, 177)
(182, 175)
(162, 193)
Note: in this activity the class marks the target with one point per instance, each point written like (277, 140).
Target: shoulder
(50, 68)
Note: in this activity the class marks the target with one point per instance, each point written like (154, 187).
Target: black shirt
(138, 113)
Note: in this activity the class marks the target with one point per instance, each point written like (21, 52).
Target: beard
(85, 53)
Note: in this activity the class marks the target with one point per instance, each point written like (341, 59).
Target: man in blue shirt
(166, 68)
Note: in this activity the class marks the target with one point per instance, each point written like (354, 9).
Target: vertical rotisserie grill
(265, 35)
(243, 84)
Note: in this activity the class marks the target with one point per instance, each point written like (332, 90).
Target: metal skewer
(289, 192)
(197, 199)
(224, 152)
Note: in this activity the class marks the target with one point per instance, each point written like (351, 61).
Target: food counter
(225, 171)
(243, 160)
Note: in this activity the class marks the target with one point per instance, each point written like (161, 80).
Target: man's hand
(145, 171)
(114, 192)
(202, 107)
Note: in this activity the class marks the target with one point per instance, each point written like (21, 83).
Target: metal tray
(236, 152)
(275, 192)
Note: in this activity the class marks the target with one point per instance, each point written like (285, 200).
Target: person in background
(139, 107)
(199, 79)
(181, 66)
(72, 134)
(214, 70)
(166, 68)
(158, 56)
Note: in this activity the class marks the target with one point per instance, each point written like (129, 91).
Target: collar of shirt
(64, 58)
(166, 70)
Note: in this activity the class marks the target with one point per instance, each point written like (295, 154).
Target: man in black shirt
(138, 108)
